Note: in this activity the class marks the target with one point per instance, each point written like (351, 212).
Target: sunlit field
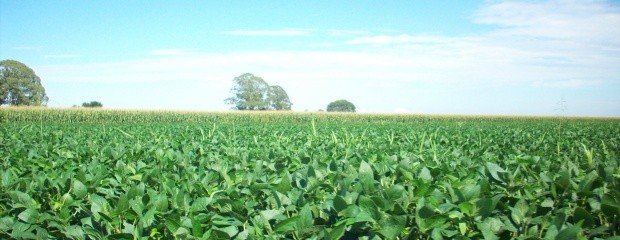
(119, 174)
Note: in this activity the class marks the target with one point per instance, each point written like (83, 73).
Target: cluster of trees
(20, 86)
(92, 104)
(253, 93)
(341, 106)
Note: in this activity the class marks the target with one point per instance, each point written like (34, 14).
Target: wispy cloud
(400, 39)
(28, 48)
(269, 33)
(62, 56)
(171, 52)
(588, 20)
(570, 83)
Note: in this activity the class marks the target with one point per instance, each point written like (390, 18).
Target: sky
(494, 57)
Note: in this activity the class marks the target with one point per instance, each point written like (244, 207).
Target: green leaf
(23, 200)
(182, 232)
(551, 233)
(196, 227)
(519, 211)
(270, 214)
(287, 225)
(122, 204)
(29, 216)
(393, 226)
(339, 203)
(305, 219)
(548, 203)
(337, 232)
(230, 231)
(6, 223)
(394, 192)
(74, 232)
(160, 202)
(149, 218)
(137, 177)
(172, 223)
(490, 227)
(366, 176)
(563, 181)
(200, 204)
(368, 207)
(583, 215)
(352, 211)
(79, 189)
(426, 212)
(98, 205)
(463, 228)
(569, 233)
(494, 169)
(610, 205)
(22, 230)
(225, 221)
(425, 175)
(285, 183)
(333, 166)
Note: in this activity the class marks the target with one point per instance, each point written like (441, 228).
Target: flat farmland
(99, 174)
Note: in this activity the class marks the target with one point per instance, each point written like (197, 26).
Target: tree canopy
(341, 106)
(253, 93)
(20, 86)
(278, 99)
(92, 104)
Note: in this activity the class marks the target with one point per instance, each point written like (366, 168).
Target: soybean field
(111, 174)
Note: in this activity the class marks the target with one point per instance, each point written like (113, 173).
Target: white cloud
(269, 33)
(28, 48)
(171, 52)
(400, 39)
(583, 20)
(570, 83)
(62, 56)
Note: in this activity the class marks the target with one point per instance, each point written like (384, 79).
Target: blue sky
(433, 57)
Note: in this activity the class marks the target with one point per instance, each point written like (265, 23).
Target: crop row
(465, 179)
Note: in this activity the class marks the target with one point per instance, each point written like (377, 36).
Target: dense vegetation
(92, 104)
(341, 105)
(123, 174)
(20, 86)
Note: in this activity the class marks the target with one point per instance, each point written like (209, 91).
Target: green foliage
(92, 104)
(253, 93)
(20, 86)
(305, 176)
(341, 106)
(278, 99)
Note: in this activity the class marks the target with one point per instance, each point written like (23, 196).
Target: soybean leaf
(366, 176)
(494, 169)
(29, 216)
(569, 233)
(393, 226)
(287, 225)
(79, 189)
(339, 203)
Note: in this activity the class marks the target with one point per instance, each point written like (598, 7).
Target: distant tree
(278, 99)
(20, 86)
(253, 93)
(92, 104)
(341, 106)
